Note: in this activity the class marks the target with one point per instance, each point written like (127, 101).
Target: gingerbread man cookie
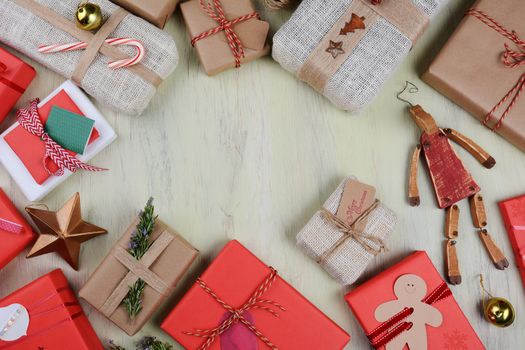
(410, 290)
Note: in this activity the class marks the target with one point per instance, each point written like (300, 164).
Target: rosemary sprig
(138, 246)
(147, 343)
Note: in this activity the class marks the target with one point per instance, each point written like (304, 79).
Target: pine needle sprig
(138, 246)
(147, 343)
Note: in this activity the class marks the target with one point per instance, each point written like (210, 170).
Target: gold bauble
(89, 16)
(499, 312)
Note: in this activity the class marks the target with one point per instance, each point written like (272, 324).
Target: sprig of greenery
(147, 343)
(138, 246)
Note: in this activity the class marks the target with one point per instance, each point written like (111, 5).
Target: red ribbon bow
(254, 302)
(29, 119)
(510, 58)
(391, 328)
(216, 12)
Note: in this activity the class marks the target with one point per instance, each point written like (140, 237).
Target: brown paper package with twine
(161, 268)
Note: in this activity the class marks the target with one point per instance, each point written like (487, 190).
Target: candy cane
(127, 62)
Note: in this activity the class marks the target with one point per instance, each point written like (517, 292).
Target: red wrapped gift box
(409, 303)
(31, 150)
(56, 320)
(15, 231)
(513, 212)
(257, 308)
(15, 77)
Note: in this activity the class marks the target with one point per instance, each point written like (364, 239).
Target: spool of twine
(279, 4)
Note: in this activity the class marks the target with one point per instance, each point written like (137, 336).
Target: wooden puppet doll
(452, 182)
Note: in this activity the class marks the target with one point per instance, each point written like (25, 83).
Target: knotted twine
(353, 231)
(216, 12)
(29, 119)
(237, 315)
(511, 59)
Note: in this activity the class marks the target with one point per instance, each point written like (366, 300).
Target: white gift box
(16, 168)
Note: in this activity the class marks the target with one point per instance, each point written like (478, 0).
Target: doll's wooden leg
(479, 218)
(453, 274)
(452, 222)
(499, 260)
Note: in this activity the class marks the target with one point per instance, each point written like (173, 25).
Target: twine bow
(352, 231)
(216, 12)
(29, 119)
(237, 315)
(511, 59)
(388, 330)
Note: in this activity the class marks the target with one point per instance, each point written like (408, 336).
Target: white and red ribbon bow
(30, 120)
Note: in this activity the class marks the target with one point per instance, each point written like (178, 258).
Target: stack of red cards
(241, 303)
(410, 305)
(45, 314)
(15, 77)
(513, 211)
(15, 231)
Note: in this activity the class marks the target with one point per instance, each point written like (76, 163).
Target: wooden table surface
(252, 153)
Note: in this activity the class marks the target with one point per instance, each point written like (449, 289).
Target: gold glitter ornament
(89, 16)
(498, 311)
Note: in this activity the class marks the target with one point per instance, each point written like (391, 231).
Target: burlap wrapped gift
(373, 49)
(343, 257)
(27, 24)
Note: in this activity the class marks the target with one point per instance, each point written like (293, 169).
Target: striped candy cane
(113, 42)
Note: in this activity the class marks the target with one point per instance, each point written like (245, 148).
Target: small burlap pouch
(369, 42)
(27, 24)
(345, 253)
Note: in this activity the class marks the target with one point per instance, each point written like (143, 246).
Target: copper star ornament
(62, 231)
(335, 48)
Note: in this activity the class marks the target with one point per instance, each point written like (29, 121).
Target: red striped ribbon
(254, 302)
(9, 83)
(216, 12)
(29, 119)
(388, 330)
(510, 58)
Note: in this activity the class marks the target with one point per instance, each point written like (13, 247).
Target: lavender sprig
(138, 246)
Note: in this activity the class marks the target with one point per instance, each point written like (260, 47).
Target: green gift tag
(69, 130)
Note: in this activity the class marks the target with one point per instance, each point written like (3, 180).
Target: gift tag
(69, 130)
(355, 200)
(14, 321)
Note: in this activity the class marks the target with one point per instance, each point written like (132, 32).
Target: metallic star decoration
(62, 231)
(335, 48)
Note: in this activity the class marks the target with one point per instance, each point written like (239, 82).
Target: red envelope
(30, 149)
(513, 212)
(56, 320)
(454, 332)
(17, 233)
(234, 276)
(15, 77)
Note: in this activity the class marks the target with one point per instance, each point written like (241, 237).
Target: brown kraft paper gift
(167, 268)
(157, 12)
(214, 51)
(470, 69)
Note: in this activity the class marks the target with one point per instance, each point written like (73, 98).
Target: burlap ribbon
(95, 42)
(138, 269)
(320, 66)
(390, 329)
(354, 231)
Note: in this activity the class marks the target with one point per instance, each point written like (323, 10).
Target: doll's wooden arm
(473, 148)
(413, 190)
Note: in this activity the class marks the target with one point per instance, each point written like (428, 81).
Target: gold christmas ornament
(89, 16)
(497, 311)
(62, 231)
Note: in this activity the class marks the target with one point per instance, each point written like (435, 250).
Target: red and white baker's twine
(254, 302)
(30, 120)
(510, 58)
(127, 62)
(216, 12)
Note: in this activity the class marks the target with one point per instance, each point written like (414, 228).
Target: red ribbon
(29, 119)
(216, 12)
(10, 226)
(511, 59)
(254, 302)
(9, 83)
(393, 327)
(376, 2)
